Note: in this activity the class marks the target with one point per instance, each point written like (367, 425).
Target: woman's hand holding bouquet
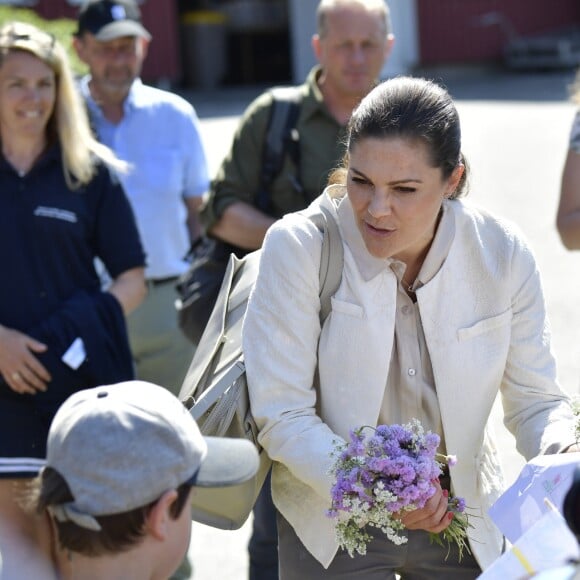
(388, 478)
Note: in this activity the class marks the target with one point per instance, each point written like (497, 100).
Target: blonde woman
(60, 208)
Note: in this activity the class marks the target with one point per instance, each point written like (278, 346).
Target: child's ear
(159, 517)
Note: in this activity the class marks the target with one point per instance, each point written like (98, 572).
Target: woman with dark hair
(440, 308)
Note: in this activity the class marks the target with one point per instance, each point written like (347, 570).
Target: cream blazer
(485, 325)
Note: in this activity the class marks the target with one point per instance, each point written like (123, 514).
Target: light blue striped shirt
(160, 137)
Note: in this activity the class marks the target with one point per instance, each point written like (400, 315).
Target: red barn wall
(449, 33)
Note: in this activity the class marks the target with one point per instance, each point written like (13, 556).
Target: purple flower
(381, 471)
(457, 504)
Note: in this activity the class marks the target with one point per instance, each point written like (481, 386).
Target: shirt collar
(52, 154)
(314, 103)
(438, 251)
(370, 266)
(130, 103)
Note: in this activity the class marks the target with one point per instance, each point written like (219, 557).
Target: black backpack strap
(331, 260)
(281, 139)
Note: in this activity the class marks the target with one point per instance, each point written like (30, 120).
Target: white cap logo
(118, 12)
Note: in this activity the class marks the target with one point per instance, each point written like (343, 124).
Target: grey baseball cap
(110, 19)
(121, 446)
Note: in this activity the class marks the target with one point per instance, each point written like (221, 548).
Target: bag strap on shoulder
(281, 139)
(331, 260)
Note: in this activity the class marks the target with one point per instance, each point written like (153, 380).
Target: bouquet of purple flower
(383, 475)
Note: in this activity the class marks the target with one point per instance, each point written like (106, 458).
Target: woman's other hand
(568, 217)
(21, 370)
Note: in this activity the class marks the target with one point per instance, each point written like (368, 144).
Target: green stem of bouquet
(455, 533)
(576, 410)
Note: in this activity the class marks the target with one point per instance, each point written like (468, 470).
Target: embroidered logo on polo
(56, 213)
(118, 12)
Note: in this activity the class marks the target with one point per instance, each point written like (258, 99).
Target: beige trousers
(161, 352)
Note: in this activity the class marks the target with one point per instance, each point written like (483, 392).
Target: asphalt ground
(515, 136)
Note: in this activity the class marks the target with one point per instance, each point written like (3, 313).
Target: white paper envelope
(547, 544)
(522, 504)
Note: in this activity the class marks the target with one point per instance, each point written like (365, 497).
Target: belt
(160, 281)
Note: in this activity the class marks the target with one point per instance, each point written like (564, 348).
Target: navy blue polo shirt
(50, 235)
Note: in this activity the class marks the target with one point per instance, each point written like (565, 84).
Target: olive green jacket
(321, 140)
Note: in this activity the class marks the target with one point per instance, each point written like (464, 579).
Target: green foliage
(61, 28)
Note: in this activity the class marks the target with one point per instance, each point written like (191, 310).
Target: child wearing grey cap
(122, 463)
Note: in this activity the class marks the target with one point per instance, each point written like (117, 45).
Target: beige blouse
(411, 391)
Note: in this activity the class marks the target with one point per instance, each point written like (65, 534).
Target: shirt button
(406, 309)
(411, 372)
